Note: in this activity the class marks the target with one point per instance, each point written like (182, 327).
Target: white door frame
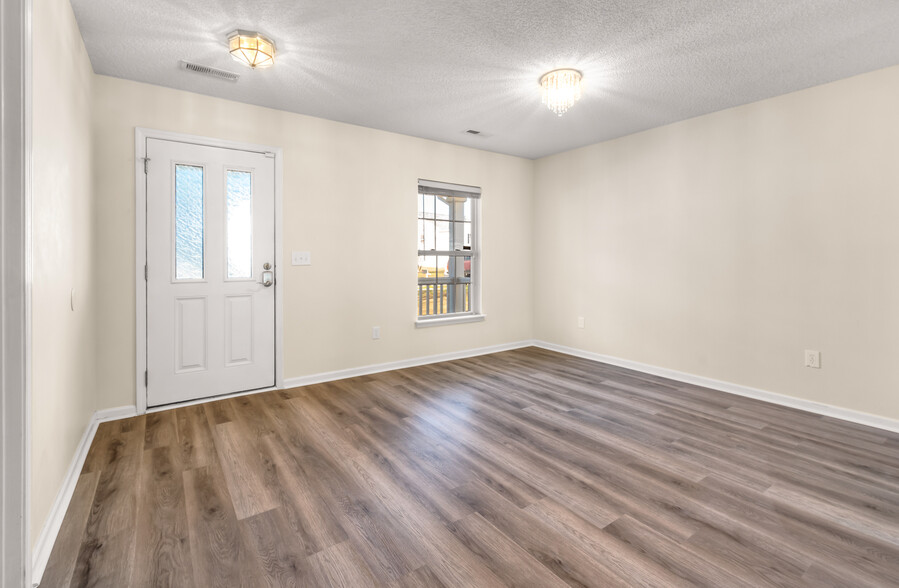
(15, 293)
(140, 247)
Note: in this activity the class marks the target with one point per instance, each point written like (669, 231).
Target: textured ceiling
(435, 68)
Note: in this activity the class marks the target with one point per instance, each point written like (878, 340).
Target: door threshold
(163, 407)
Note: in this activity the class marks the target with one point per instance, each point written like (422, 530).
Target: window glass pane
(427, 268)
(427, 282)
(451, 290)
(426, 235)
(459, 268)
(444, 207)
(428, 205)
(240, 224)
(466, 210)
(461, 236)
(443, 267)
(452, 267)
(442, 297)
(455, 290)
(444, 236)
(189, 219)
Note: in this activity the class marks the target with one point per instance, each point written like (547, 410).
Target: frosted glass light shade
(251, 48)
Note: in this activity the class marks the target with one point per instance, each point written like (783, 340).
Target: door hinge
(146, 164)
(146, 379)
(146, 273)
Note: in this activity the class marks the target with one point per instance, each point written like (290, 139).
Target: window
(448, 253)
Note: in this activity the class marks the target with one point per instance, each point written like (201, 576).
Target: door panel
(210, 235)
(238, 330)
(191, 335)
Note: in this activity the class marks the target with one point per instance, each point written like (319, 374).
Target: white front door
(210, 271)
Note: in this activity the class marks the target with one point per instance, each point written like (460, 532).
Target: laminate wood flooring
(522, 468)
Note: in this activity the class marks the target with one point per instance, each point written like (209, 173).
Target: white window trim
(476, 314)
(450, 319)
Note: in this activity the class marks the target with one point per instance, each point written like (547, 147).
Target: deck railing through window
(442, 298)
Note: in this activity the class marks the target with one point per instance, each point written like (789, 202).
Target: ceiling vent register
(210, 71)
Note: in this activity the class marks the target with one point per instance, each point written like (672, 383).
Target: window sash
(441, 253)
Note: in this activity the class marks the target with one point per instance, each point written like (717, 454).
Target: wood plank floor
(524, 468)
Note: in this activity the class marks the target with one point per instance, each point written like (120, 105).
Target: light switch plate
(812, 359)
(301, 258)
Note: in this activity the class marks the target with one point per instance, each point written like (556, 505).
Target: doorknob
(268, 276)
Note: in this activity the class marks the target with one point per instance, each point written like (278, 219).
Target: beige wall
(63, 355)
(349, 198)
(725, 245)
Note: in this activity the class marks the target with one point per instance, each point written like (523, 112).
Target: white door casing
(15, 293)
(210, 320)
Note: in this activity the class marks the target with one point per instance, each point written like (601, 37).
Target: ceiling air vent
(210, 71)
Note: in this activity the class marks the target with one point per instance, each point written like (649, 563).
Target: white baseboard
(44, 544)
(402, 364)
(114, 414)
(854, 416)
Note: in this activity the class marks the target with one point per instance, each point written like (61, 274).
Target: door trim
(15, 292)
(140, 248)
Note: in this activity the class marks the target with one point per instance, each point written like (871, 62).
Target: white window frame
(475, 313)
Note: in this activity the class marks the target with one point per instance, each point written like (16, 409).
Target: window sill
(450, 320)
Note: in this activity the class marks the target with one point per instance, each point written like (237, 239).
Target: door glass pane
(189, 219)
(239, 199)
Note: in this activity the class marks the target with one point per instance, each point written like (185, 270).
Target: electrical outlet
(376, 332)
(301, 258)
(812, 359)
(580, 322)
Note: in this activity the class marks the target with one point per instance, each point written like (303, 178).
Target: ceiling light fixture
(251, 48)
(561, 89)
